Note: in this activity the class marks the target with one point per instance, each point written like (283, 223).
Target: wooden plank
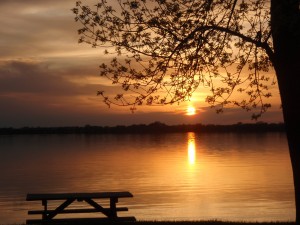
(79, 196)
(81, 220)
(65, 211)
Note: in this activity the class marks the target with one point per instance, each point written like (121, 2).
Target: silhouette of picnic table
(48, 215)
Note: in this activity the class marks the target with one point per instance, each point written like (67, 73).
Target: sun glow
(190, 111)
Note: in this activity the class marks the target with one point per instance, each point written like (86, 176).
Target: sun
(190, 111)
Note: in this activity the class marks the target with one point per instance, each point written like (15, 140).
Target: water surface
(182, 176)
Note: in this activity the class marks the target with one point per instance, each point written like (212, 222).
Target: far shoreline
(156, 127)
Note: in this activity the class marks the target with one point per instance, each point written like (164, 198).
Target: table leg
(113, 207)
(45, 213)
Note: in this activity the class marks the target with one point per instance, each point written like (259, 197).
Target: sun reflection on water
(191, 148)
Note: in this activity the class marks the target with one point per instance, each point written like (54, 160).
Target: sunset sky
(48, 79)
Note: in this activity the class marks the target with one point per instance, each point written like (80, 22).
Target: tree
(163, 50)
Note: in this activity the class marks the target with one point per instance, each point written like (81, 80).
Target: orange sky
(48, 79)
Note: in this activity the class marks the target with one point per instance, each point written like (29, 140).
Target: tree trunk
(285, 24)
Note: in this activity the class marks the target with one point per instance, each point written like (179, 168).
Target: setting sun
(190, 111)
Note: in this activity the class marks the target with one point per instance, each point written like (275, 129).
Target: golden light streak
(191, 148)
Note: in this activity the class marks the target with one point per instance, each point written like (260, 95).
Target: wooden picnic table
(48, 215)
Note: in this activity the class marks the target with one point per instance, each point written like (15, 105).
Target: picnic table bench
(48, 215)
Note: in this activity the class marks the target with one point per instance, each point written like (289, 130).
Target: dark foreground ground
(210, 222)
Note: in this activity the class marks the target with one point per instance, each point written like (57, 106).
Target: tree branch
(258, 43)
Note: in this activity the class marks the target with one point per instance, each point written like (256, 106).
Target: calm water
(184, 176)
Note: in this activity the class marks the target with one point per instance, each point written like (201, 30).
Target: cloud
(39, 29)
(35, 78)
(31, 90)
(234, 115)
(38, 93)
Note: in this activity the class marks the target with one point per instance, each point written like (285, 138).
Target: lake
(174, 176)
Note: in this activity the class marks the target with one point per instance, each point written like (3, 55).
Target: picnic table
(49, 214)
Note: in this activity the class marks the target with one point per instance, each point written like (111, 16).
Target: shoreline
(152, 128)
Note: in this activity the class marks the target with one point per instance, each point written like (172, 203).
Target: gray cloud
(37, 28)
(34, 78)
(234, 115)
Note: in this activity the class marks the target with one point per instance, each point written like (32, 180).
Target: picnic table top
(61, 196)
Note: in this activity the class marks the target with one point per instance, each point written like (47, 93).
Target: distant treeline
(156, 127)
